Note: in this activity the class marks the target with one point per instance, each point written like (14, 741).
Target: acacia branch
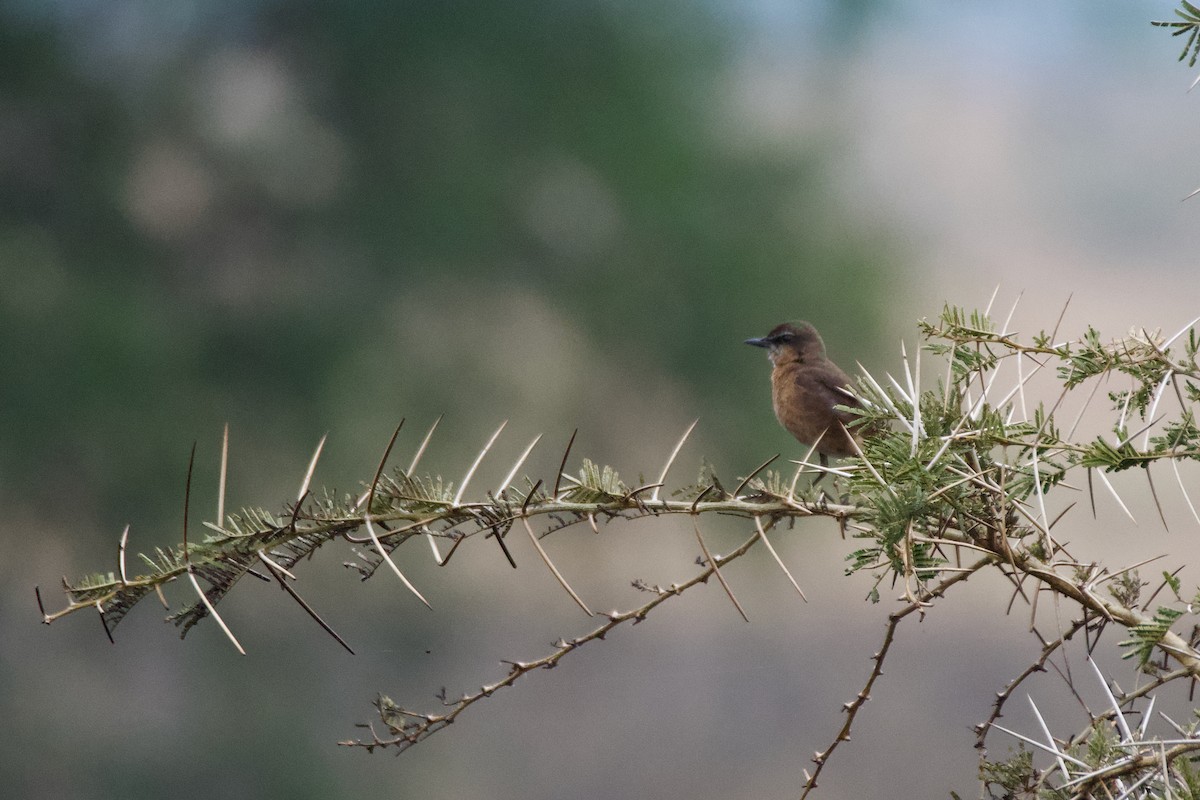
(852, 708)
(972, 466)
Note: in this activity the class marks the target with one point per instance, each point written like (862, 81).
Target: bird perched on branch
(805, 387)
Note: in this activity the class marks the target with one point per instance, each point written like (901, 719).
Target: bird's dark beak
(759, 342)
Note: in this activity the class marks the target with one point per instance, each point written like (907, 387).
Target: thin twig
(852, 708)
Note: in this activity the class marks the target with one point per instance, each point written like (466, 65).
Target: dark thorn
(563, 465)
(528, 497)
(104, 622)
(1091, 492)
(500, 541)
(1158, 505)
(187, 499)
(757, 470)
(824, 462)
(312, 613)
(453, 547)
(38, 593)
(382, 462)
(633, 493)
(1061, 514)
(296, 509)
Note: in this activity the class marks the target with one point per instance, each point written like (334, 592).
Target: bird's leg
(824, 459)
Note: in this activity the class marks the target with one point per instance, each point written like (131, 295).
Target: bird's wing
(832, 384)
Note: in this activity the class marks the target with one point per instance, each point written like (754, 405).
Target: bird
(805, 387)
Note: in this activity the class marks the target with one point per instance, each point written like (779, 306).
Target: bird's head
(792, 341)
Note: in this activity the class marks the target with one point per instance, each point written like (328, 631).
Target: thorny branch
(969, 468)
(852, 708)
(1002, 696)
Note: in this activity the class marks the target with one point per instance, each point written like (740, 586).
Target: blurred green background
(302, 218)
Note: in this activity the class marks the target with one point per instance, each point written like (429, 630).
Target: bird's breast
(804, 397)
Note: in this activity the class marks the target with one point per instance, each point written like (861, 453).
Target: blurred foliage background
(302, 218)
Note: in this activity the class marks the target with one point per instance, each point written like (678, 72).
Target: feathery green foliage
(1190, 26)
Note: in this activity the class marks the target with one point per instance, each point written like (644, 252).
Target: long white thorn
(512, 473)
(804, 463)
(212, 610)
(437, 554)
(762, 534)
(412, 466)
(1158, 393)
(987, 312)
(1034, 743)
(987, 387)
(1129, 790)
(900, 390)
(1129, 438)
(818, 467)
(671, 460)
(918, 423)
(224, 474)
(1007, 320)
(1178, 728)
(1181, 331)
(1146, 717)
(870, 467)
(1037, 486)
(386, 557)
(1126, 735)
(467, 478)
(712, 562)
(273, 564)
(883, 397)
(121, 553)
(1083, 408)
(424, 443)
(1021, 386)
(1178, 477)
(312, 468)
(1062, 765)
(1117, 497)
(913, 394)
(558, 576)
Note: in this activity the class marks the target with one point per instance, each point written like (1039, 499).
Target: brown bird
(805, 387)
